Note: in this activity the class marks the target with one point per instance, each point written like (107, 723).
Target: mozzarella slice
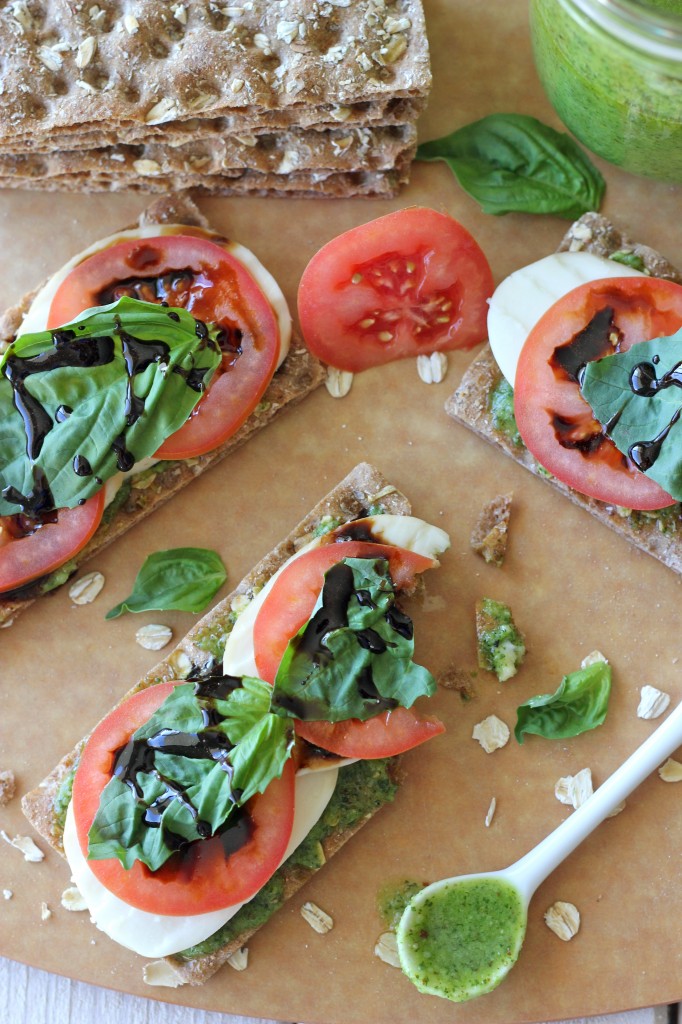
(403, 531)
(521, 299)
(37, 314)
(157, 935)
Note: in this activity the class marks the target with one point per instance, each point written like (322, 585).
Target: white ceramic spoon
(430, 953)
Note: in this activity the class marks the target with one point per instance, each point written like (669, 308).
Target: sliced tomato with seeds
(414, 281)
(206, 279)
(29, 551)
(554, 420)
(203, 877)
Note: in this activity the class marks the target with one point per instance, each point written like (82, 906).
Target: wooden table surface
(30, 996)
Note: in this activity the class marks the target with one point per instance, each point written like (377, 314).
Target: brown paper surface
(572, 586)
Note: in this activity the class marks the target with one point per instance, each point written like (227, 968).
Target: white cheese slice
(155, 935)
(37, 314)
(520, 300)
(403, 531)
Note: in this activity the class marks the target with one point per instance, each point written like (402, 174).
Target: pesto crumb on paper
(501, 645)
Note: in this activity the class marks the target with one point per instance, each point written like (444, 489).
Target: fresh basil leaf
(354, 658)
(515, 163)
(188, 795)
(629, 259)
(80, 403)
(642, 423)
(579, 704)
(185, 579)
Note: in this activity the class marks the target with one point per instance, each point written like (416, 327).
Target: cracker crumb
(490, 534)
(7, 787)
(458, 679)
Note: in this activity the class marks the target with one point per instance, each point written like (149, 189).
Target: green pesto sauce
(463, 940)
(621, 104)
(361, 788)
(393, 899)
(501, 402)
(62, 800)
(501, 646)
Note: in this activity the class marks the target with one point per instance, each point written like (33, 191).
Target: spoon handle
(532, 869)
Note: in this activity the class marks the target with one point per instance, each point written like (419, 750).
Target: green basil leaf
(253, 748)
(579, 704)
(185, 579)
(354, 658)
(97, 396)
(515, 163)
(643, 425)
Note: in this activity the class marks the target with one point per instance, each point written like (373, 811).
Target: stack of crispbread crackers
(258, 97)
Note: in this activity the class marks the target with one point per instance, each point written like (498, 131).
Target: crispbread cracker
(387, 113)
(150, 62)
(470, 405)
(323, 184)
(297, 377)
(351, 498)
(343, 149)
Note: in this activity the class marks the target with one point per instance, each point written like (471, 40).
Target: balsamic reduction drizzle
(138, 757)
(645, 382)
(70, 350)
(332, 614)
(594, 341)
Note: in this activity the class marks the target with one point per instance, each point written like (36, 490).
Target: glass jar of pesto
(612, 70)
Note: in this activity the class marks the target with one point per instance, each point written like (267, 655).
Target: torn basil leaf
(637, 397)
(515, 163)
(87, 400)
(183, 579)
(579, 704)
(353, 659)
(183, 775)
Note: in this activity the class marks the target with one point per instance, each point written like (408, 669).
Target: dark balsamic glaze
(356, 529)
(138, 756)
(645, 453)
(587, 441)
(594, 341)
(67, 350)
(332, 614)
(38, 504)
(81, 466)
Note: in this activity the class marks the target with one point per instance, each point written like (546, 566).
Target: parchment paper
(572, 586)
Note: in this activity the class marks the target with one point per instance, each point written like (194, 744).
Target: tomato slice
(289, 605)
(290, 602)
(412, 281)
(555, 421)
(24, 558)
(202, 878)
(392, 732)
(207, 280)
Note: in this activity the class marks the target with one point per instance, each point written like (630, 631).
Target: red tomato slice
(412, 281)
(202, 878)
(391, 733)
(207, 280)
(555, 421)
(290, 602)
(27, 558)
